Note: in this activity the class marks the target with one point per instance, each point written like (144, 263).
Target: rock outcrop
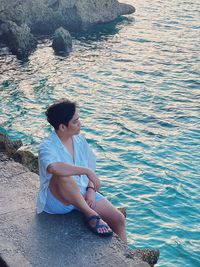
(18, 38)
(14, 150)
(8, 146)
(44, 240)
(21, 19)
(62, 41)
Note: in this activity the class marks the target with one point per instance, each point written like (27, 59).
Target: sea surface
(137, 82)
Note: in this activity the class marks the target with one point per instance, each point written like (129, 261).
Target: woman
(67, 177)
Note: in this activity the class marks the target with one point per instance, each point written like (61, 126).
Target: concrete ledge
(28, 239)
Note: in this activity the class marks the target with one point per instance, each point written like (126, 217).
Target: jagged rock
(148, 255)
(2, 142)
(19, 39)
(94, 12)
(62, 41)
(19, 19)
(28, 159)
(14, 149)
(4, 157)
(125, 9)
(74, 14)
(9, 146)
(4, 50)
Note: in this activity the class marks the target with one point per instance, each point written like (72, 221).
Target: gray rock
(4, 50)
(28, 239)
(19, 19)
(125, 9)
(27, 159)
(51, 14)
(13, 149)
(2, 142)
(94, 12)
(147, 255)
(18, 38)
(62, 41)
(4, 157)
(9, 146)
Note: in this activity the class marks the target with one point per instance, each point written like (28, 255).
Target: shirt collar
(56, 139)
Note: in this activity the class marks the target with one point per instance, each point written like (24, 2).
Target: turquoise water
(137, 82)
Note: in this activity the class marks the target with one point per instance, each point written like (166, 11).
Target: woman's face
(74, 125)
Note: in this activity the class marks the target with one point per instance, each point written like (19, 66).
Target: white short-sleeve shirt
(52, 150)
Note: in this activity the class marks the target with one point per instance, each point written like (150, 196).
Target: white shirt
(52, 150)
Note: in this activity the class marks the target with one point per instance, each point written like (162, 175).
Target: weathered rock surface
(18, 38)
(14, 149)
(27, 17)
(9, 146)
(62, 41)
(27, 159)
(28, 239)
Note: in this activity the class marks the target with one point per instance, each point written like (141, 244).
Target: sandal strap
(94, 217)
(97, 226)
(97, 218)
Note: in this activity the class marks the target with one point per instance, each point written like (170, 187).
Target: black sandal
(97, 226)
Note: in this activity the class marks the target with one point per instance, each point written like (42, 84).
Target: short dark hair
(61, 112)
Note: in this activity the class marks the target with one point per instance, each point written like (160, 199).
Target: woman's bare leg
(66, 190)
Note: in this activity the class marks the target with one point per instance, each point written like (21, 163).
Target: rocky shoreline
(13, 150)
(22, 20)
(25, 238)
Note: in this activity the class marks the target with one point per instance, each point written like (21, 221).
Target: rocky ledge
(20, 20)
(28, 239)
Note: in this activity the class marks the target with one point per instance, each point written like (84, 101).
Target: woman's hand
(90, 198)
(93, 178)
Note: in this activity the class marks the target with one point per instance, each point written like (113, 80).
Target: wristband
(90, 187)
